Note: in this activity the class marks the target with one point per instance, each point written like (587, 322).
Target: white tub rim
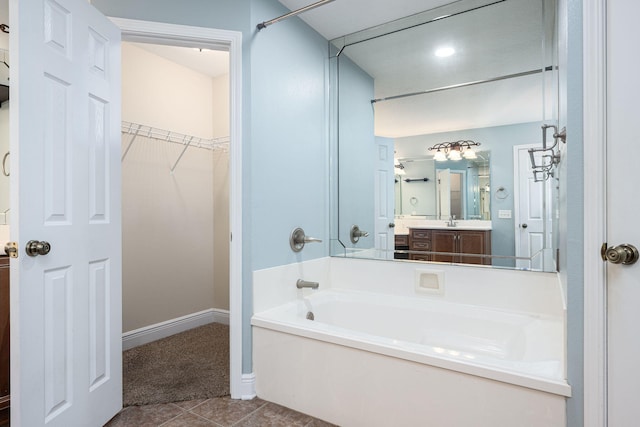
(385, 346)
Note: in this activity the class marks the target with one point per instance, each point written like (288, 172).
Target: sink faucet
(452, 221)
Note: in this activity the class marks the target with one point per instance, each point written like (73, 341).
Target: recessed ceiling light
(445, 51)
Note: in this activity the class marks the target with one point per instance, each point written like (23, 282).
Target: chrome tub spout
(304, 284)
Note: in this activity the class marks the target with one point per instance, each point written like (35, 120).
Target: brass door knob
(35, 248)
(622, 254)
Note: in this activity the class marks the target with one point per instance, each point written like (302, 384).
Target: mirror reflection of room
(432, 80)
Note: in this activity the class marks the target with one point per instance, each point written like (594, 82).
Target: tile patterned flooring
(218, 412)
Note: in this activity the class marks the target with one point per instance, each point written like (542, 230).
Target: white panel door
(529, 212)
(623, 205)
(65, 137)
(384, 199)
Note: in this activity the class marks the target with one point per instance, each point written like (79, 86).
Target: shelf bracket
(182, 153)
(133, 138)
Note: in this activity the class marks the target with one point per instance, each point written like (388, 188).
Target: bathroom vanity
(456, 243)
(5, 397)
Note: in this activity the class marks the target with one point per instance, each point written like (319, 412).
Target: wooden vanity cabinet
(456, 243)
(5, 398)
(401, 244)
(420, 240)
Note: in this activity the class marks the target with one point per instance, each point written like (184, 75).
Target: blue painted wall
(285, 148)
(286, 127)
(499, 140)
(357, 149)
(572, 214)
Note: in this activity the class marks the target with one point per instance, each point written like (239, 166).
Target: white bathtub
(375, 358)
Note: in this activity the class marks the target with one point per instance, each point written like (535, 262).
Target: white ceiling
(212, 63)
(343, 17)
(492, 41)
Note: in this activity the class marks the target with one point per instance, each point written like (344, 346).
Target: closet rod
(265, 24)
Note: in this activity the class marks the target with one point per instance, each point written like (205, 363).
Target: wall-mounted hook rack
(550, 155)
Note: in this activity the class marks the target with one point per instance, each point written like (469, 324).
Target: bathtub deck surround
(485, 348)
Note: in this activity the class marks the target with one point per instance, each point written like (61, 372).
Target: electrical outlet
(504, 213)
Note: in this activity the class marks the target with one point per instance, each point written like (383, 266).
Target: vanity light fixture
(454, 150)
(440, 156)
(454, 154)
(399, 169)
(443, 52)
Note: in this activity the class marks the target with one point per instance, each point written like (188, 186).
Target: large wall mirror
(433, 117)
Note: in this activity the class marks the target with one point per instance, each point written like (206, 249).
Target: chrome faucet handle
(297, 239)
(355, 234)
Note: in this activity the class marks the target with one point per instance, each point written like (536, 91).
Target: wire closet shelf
(136, 129)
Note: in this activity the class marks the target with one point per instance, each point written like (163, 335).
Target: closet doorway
(175, 192)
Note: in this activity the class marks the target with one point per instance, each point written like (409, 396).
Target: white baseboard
(248, 389)
(167, 328)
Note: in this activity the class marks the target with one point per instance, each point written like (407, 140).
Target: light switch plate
(504, 213)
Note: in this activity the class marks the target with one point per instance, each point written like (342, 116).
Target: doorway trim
(188, 36)
(594, 104)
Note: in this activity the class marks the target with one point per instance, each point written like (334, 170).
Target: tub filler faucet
(304, 284)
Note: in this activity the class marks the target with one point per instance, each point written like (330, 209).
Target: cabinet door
(444, 241)
(472, 242)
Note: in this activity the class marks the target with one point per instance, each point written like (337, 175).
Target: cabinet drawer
(420, 257)
(402, 240)
(421, 246)
(418, 234)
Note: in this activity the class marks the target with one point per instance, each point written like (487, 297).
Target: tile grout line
(250, 414)
(204, 418)
(171, 419)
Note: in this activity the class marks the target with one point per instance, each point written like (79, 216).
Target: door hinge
(11, 249)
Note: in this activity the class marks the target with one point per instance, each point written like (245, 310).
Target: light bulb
(454, 155)
(443, 52)
(439, 156)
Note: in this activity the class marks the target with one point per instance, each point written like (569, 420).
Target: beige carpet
(190, 365)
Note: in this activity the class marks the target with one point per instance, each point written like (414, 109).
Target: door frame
(242, 386)
(594, 39)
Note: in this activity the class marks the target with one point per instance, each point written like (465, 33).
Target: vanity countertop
(404, 225)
